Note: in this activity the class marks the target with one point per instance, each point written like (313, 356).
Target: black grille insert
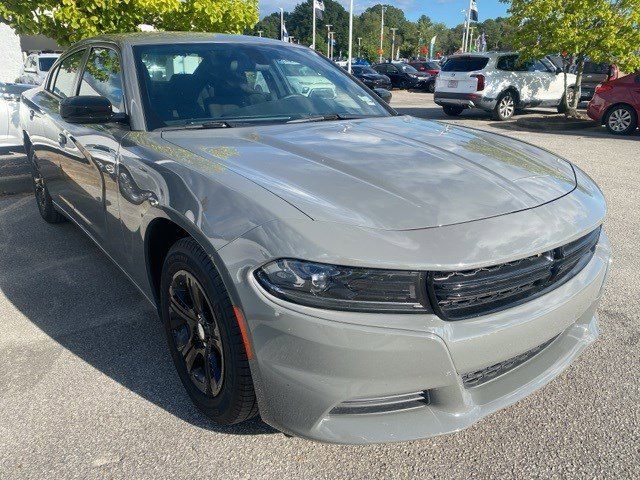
(466, 294)
(473, 379)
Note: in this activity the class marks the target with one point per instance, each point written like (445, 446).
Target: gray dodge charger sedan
(353, 275)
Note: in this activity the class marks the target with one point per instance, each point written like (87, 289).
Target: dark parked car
(370, 77)
(403, 75)
(431, 67)
(593, 75)
(616, 104)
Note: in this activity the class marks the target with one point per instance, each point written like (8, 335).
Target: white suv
(36, 66)
(499, 83)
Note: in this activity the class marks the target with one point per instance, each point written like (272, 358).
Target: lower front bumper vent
(393, 403)
(473, 379)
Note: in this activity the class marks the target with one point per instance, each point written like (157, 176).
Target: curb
(546, 126)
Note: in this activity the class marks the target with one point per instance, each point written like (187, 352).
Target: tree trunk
(573, 108)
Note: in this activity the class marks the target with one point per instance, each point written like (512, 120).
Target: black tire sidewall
(221, 407)
(496, 110)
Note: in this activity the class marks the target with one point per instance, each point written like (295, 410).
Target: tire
(562, 106)
(204, 338)
(43, 199)
(621, 120)
(452, 110)
(431, 87)
(505, 106)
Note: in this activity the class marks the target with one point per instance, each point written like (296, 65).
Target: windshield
(187, 84)
(46, 63)
(408, 69)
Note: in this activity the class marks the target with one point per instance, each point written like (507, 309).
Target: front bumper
(466, 100)
(596, 108)
(310, 361)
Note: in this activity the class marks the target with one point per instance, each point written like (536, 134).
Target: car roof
(482, 54)
(155, 38)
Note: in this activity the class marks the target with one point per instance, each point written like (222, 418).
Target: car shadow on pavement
(61, 282)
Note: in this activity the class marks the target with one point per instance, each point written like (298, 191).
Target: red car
(616, 104)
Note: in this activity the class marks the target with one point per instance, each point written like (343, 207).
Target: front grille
(466, 294)
(392, 403)
(473, 379)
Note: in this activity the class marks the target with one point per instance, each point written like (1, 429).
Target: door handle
(32, 113)
(62, 139)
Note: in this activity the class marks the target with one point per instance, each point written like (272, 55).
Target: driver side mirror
(558, 70)
(383, 93)
(89, 109)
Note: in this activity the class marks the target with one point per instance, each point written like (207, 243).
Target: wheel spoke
(196, 295)
(181, 313)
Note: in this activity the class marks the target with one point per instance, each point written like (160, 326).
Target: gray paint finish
(393, 192)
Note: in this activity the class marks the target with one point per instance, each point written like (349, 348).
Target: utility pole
(464, 31)
(359, 47)
(350, 56)
(331, 39)
(313, 28)
(382, 9)
(468, 25)
(393, 42)
(328, 40)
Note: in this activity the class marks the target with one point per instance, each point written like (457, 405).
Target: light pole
(331, 37)
(328, 39)
(464, 31)
(359, 47)
(350, 36)
(393, 41)
(260, 33)
(382, 9)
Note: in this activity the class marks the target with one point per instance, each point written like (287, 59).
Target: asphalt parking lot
(87, 389)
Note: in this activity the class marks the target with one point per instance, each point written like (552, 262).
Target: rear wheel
(452, 110)
(621, 120)
(204, 336)
(431, 87)
(505, 106)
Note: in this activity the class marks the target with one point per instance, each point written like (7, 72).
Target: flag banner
(285, 34)
(474, 11)
(319, 7)
(432, 45)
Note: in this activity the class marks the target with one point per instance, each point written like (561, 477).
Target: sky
(447, 11)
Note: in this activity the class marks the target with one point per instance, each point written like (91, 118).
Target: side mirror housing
(89, 109)
(558, 70)
(383, 93)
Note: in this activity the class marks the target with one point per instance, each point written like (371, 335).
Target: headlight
(344, 288)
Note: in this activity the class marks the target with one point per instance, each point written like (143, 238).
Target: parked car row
(10, 132)
(616, 104)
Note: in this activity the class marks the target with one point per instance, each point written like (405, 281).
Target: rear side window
(465, 64)
(66, 76)
(102, 77)
(596, 68)
(509, 64)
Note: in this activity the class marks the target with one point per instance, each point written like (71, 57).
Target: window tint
(508, 63)
(102, 77)
(408, 69)
(465, 64)
(597, 68)
(433, 66)
(197, 83)
(46, 63)
(66, 75)
(536, 66)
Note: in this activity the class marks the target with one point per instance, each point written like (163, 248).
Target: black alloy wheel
(205, 336)
(196, 334)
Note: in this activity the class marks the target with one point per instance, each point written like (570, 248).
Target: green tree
(599, 30)
(68, 21)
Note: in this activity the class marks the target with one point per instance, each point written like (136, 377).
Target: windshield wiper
(198, 126)
(325, 118)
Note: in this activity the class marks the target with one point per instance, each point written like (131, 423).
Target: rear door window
(465, 64)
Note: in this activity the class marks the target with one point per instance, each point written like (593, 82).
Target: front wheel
(505, 107)
(431, 87)
(621, 120)
(204, 336)
(452, 110)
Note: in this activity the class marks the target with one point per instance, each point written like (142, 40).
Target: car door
(92, 174)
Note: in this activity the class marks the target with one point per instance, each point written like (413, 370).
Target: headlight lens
(344, 288)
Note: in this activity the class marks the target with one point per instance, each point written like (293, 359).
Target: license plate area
(452, 84)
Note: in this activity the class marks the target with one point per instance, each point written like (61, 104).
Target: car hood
(392, 173)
